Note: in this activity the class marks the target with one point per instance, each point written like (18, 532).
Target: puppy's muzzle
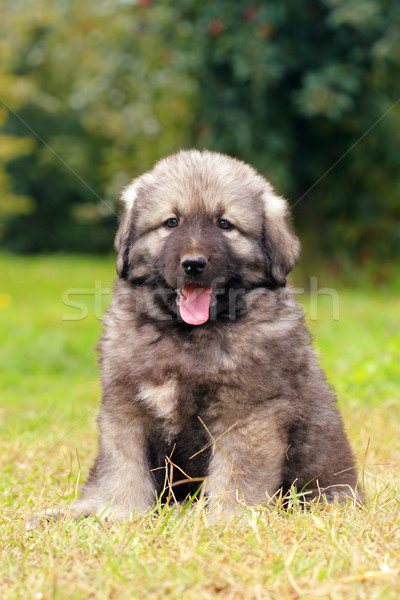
(193, 265)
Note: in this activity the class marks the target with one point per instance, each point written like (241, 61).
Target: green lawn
(49, 394)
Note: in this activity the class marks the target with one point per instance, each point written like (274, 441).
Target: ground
(50, 311)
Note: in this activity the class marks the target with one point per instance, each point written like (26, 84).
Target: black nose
(193, 265)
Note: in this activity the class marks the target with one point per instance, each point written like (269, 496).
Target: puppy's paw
(50, 515)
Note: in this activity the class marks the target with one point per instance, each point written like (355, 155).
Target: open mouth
(194, 303)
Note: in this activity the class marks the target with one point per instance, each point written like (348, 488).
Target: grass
(49, 396)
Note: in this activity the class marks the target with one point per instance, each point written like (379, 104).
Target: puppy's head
(201, 221)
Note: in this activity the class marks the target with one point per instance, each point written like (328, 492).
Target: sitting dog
(206, 363)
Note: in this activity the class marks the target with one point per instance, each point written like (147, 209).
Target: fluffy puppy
(206, 363)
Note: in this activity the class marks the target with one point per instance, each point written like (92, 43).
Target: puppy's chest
(173, 403)
(160, 358)
(207, 377)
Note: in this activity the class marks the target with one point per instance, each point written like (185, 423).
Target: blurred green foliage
(94, 92)
(94, 88)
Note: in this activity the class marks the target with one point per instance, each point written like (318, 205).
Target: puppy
(207, 367)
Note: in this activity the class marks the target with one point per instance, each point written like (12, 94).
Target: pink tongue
(194, 305)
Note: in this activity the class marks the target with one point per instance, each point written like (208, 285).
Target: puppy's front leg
(120, 481)
(246, 464)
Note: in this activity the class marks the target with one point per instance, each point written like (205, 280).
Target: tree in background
(300, 90)
(95, 92)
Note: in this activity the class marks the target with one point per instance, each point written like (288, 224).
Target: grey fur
(243, 392)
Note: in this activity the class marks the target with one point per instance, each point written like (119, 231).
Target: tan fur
(125, 443)
(161, 400)
(232, 477)
(128, 195)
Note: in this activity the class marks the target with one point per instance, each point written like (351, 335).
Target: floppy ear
(125, 233)
(281, 246)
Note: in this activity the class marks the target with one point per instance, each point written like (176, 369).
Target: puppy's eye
(225, 224)
(170, 223)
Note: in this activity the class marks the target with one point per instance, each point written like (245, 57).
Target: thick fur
(239, 401)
